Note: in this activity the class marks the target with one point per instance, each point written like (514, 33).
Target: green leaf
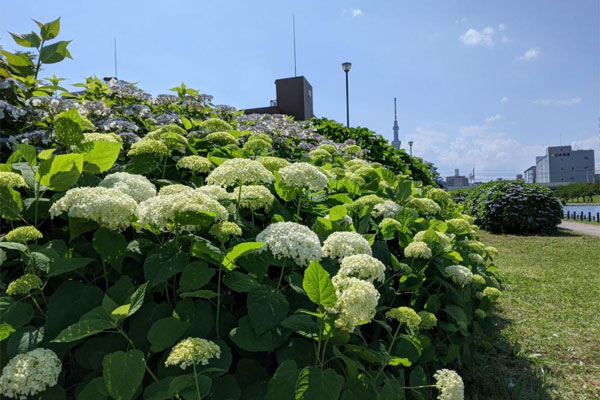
(246, 338)
(94, 390)
(23, 340)
(17, 60)
(101, 156)
(184, 385)
(137, 298)
(123, 373)
(282, 385)
(120, 312)
(303, 324)
(55, 52)
(61, 172)
(338, 212)
(204, 249)
(46, 154)
(15, 313)
(26, 39)
(11, 203)
(5, 331)
(266, 308)
(317, 285)
(50, 30)
(111, 246)
(203, 219)
(203, 294)
(68, 127)
(14, 246)
(162, 265)
(81, 329)
(240, 282)
(195, 275)
(316, 384)
(28, 153)
(240, 250)
(64, 265)
(165, 332)
(395, 361)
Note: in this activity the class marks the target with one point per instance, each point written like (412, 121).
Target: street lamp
(346, 67)
(410, 143)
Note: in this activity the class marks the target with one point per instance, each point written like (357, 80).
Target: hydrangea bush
(172, 265)
(514, 207)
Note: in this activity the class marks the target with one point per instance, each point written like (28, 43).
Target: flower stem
(196, 381)
(388, 351)
(218, 300)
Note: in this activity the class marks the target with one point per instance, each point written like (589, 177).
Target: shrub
(270, 285)
(514, 207)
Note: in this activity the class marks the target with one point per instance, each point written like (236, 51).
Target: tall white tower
(396, 142)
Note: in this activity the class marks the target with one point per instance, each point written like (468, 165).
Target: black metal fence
(582, 216)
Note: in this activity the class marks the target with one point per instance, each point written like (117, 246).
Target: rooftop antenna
(294, 30)
(115, 46)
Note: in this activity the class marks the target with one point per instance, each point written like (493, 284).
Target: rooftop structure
(294, 97)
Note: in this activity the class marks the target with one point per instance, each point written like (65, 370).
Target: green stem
(388, 351)
(105, 274)
(298, 210)
(39, 60)
(122, 332)
(164, 167)
(38, 307)
(281, 276)
(196, 381)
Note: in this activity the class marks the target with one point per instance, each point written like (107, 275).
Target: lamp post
(410, 143)
(346, 67)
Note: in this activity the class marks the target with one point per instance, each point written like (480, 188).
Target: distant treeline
(585, 192)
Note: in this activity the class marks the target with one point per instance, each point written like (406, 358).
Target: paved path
(588, 229)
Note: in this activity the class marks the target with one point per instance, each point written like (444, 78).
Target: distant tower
(396, 142)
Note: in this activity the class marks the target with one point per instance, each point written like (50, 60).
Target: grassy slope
(549, 322)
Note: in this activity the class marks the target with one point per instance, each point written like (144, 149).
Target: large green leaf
(5, 331)
(123, 373)
(137, 299)
(240, 282)
(111, 246)
(165, 332)
(282, 385)
(24, 340)
(94, 390)
(81, 329)
(246, 338)
(15, 313)
(28, 152)
(266, 308)
(100, 156)
(17, 60)
(195, 275)
(55, 52)
(64, 265)
(317, 285)
(316, 384)
(240, 250)
(68, 127)
(60, 172)
(26, 39)
(11, 203)
(162, 265)
(49, 30)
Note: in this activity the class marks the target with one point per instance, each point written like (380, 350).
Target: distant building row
(562, 164)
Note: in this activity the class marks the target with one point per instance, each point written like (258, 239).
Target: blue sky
(479, 83)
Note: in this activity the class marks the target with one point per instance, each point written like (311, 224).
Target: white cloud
(494, 118)
(558, 102)
(529, 55)
(505, 39)
(353, 12)
(493, 154)
(591, 142)
(501, 27)
(504, 100)
(473, 37)
(461, 20)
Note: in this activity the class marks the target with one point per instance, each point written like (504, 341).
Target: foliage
(379, 150)
(137, 287)
(575, 191)
(459, 195)
(514, 207)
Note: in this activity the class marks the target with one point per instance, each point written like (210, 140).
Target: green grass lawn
(549, 322)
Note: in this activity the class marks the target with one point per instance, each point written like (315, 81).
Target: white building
(563, 164)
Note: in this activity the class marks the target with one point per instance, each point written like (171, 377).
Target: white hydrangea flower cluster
(362, 266)
(444, 239)
(101, 137)
(136, 186)
(216, 192)
(356, 302)
(255, 197)
(109, 208)
(149, 146)
(193, 351)
(456, 225)
(196, 164)
(273, 163)
(424, 206)
(291, 240)
(343, 244)
(460, 275)
(476, 259)
(11, 180)
(161, 211)
(30, 373)
(450, 385)
(174, 189)
(387, 209)
(239, 171)
(303, 176)
(417, 250)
